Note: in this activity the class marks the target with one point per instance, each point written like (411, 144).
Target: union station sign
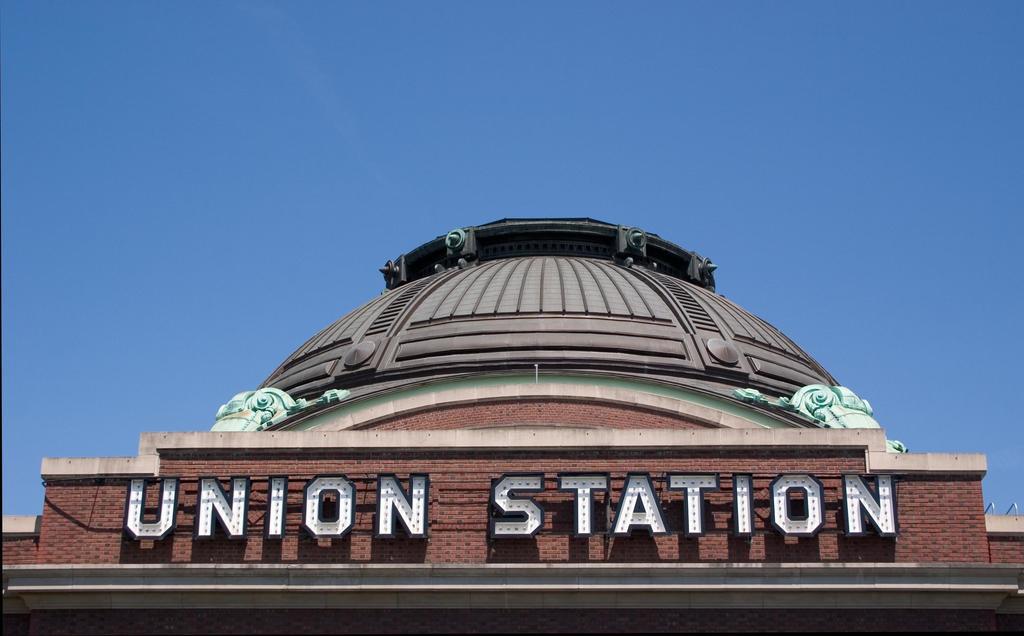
(329, 510)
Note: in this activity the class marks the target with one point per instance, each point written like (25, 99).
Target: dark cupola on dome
(549, 296)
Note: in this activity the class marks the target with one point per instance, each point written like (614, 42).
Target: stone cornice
(871, 442)
(15, 526)
(495, 585)
(144, 465)
(1004, 525)
(515, 438)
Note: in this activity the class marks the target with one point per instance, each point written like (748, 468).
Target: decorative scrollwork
(826, 406)
(832, 406)
(257, 410)
(753, 396)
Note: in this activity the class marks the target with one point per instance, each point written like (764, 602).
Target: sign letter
(638, 489)
(743, 505)
(277, 507)
(412, 509)
(783, 518)
(213, 505)
(313, 504)
(133, 524)
(695, 487)
(584, 487)
(530, 515)
(880, 506)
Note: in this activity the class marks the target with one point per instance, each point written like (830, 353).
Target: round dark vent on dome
(359, 354)
(724, 352)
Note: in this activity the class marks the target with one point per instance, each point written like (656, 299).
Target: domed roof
(564, 295)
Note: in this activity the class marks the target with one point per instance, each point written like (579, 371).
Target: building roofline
(871, 442)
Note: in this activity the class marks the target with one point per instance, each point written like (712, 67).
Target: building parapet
(514, 438)
(145, 465)
(16, 526)
(869, 441)
(1005, 525)
(909, 463)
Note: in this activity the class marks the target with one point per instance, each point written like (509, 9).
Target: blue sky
(190, 190)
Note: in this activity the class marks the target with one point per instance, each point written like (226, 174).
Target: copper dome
(567, 295)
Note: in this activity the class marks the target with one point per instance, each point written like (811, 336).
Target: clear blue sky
(190, 190)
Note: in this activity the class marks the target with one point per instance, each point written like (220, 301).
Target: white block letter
(136, 503)
(743, 505)
(531, 516)
(783, 520)
(412, 509)
(313, 505)
(881, 509)
(214, 505)
(638, 490)
(584, 487)
(277, 507)
(695, 487)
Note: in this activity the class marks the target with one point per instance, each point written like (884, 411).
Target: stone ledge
(1004, 525)
(144, 465)
(365, 599)
(910, 463)
(528, 585)
(15, 526)
(869, 441)
(516, 439)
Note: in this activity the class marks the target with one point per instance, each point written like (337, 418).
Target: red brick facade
(455, 620)
(90, 515)
(535, 412)
(21, 550)
(1006, 549)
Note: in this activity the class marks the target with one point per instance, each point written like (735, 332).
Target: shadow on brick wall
(513, 551)
(398, 550)
(312, 550)
(639, 546)
(146, 551)
(780, 549)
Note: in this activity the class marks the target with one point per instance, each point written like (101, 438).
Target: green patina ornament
(257, 410)
(637, 238)
(833, 406)
(455, 239)
(753, 396)
(826, 406)
(895, 446)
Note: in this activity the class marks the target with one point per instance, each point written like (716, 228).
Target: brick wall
(20, 550)
(1006, 549)
(595, 620)
(1010, 622)
(536, 412)
(88, 515)
(16, 625)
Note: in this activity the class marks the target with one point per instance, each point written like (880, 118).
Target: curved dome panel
(565, 313)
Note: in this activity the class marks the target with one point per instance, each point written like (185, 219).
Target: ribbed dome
(604, 315)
